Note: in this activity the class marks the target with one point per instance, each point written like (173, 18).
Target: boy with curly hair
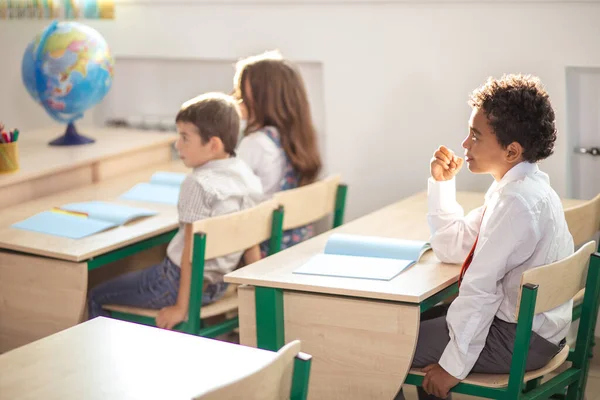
(520, 226)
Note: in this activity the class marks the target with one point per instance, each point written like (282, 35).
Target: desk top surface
(110, 359)
(97, 244)
(38, 159)
(405, 219)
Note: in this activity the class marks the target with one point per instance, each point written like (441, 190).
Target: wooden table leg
(38, 297)
(362, 349)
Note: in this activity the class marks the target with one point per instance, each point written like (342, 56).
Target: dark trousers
(496, 356)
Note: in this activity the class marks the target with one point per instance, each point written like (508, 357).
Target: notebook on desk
(364, 257)
(162, 188)
(78, 220)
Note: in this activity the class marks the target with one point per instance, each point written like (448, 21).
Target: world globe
(68, 68)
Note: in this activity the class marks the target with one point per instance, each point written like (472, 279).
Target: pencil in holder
(9, 157)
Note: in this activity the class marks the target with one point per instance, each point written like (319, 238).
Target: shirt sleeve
(509, 239)
(193, 204)
(264, 159)
(452, 234)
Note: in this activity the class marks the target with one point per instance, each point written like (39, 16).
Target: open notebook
(78, 220)
(162, 188)
(364, 257)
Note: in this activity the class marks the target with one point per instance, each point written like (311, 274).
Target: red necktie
(469, 258)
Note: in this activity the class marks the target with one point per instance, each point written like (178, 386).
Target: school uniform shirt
(523, 227)
(215, 188)
(265, 159)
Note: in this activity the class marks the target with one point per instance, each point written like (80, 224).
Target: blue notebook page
(162, 188)
(373, 246)
(364, 257)
(168, 178)
(101, 216)
(153, 193)
(115, 213)
(63, 225)
(382, 269)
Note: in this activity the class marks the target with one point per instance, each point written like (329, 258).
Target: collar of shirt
(516, 173)
(216, 164)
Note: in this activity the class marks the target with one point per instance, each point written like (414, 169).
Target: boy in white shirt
(521, 226)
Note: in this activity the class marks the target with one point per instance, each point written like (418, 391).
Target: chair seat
(227, 303)
(501, 380)
(578, 299)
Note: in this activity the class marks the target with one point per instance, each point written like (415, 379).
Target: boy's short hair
(215, 115)
(519, 110)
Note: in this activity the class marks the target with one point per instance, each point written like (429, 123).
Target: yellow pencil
(66, 212)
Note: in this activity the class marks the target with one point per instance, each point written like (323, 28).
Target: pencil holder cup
(9, 157)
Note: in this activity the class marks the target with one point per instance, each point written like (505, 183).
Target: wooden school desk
(361, 333)
(44, 279)
(48, 169)
(109, 359)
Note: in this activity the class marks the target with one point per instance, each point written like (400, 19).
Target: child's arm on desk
(168, 317)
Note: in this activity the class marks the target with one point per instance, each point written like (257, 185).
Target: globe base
(71, 138)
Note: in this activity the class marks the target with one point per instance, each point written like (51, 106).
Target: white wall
(396, 74)
(131, 95)
(583, 125)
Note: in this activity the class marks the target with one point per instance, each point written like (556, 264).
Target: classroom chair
(542, 289)
(215, 237)
(310, 203)
(584, 222)
(286, 377)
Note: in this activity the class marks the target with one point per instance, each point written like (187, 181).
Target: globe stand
(71, 138)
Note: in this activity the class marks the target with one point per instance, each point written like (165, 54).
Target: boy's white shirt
(523, 227)
(216, 188)
(265, 159)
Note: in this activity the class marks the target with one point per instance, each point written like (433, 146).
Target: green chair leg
(276, 231)
(219, 329)
(522, 340)
(340, 205)
(199, 251)
(581, 356)
(532, 384)
(300, 377)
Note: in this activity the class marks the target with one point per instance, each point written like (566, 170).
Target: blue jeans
(154, 287)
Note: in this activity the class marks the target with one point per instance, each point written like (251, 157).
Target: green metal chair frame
(572, 380)
(293, 201)
(193, 324)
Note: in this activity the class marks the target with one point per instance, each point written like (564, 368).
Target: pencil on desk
(72, 213)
